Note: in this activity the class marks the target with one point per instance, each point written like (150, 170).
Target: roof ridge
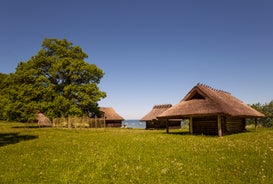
(211, 88)
(162, 106)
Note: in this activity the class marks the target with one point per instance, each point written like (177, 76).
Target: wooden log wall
(235, 125)
(155, 124)
(113, 123)
(205, 125)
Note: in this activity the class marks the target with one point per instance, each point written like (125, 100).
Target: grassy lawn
(46, 155)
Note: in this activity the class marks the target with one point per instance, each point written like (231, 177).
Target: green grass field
(46, 155)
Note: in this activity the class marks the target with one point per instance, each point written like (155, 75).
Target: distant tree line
(267, 110)
(56, 81)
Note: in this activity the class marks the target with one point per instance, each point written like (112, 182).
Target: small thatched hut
(112, 119)
(43, 120)
(152, 122)
(212, 111)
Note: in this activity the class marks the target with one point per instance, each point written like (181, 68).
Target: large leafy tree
(267, 109)
(3, 99)
(56, 81)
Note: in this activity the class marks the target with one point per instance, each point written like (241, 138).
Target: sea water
(134, 124)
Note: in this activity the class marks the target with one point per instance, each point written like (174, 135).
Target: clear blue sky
(152, 52)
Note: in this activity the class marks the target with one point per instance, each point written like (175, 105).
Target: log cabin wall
(113, 123)
(174, 124)
(149, 124)
(155, 124)
(235, 125)
(208, 125)
(161, 124)
(205, 125)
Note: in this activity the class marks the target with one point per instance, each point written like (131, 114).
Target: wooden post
(96, 122)
(68, 122)
(104, 122)
(256, 124)
(219, 126)
(191, 126)
(167, 126)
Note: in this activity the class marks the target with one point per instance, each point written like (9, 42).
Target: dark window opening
(196, 96)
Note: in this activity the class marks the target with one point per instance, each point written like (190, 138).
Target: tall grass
(44, 155)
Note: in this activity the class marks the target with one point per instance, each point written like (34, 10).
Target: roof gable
(195, 95)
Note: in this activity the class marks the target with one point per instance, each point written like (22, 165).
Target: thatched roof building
(156, 111)
(212, 111)
(112, 119)
(43, 120)
(153, 122)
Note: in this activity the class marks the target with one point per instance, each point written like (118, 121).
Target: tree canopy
(267, 110)
(56, 81)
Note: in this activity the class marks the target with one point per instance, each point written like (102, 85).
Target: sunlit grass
(134, 156)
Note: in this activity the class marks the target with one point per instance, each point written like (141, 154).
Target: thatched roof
(43, 120)
(156, 111)
(204, 100)
(111, 114)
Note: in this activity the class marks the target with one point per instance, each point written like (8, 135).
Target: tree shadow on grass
(33, 126)
(13, 138)
(27, 126)
(30, 126)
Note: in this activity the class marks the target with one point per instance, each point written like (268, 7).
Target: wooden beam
(167, 126)
(104, 122)
(219, 125)
(190, 126)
